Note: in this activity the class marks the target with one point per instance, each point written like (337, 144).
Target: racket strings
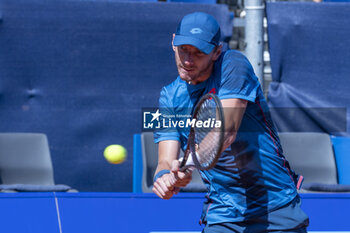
(207, 138)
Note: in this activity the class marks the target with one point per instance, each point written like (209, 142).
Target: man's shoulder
(233, 60)
(173, 85)
(234, 56)
(174, 94)
(233, 53)
(170, 89)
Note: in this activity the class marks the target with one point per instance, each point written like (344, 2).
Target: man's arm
(168, 184)
(168, 151)
(234, 110)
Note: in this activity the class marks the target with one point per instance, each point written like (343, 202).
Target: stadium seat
(341, 147)
(311, 155)
(149, 158)
(149, 151)
(25, 163)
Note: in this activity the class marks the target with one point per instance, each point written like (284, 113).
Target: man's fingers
(186, 174)
(163, 187)
(169, 180)
(181, 179)
(155, 190)
(165, 184)
(169, 184)
(158, 187)
(160, 192)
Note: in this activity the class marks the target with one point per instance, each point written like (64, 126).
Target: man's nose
(188, 58)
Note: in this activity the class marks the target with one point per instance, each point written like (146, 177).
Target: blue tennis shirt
(252, 177)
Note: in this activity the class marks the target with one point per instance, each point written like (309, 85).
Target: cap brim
(202, 45)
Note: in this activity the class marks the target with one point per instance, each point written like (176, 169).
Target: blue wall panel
(129, 213)
(310, 57)
(28, 213)
(140, 213)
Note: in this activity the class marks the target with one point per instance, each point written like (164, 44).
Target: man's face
(193, 65)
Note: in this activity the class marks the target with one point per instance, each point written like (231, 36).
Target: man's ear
(172, 42)
(217, 52)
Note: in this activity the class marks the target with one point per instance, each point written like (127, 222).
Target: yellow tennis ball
(115, 154)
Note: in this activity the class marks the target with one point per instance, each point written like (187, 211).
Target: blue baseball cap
(200, 30)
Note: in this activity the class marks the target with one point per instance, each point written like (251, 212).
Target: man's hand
(169, 184)
(181, 178)
(163, 186)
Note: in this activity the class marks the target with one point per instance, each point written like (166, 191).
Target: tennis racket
(206, 136)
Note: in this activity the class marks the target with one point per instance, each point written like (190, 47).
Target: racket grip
(182, 163)
(187, 169)
(183, 166)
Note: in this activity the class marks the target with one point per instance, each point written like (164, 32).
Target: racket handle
(187, 169)
(182, 162)
(184, 167)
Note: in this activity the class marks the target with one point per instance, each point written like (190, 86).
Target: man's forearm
(167, 152)
(234, 110)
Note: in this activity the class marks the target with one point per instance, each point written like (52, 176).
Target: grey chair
(25, 163)
(150, 159)
(311, 155)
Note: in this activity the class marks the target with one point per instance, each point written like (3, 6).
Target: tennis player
(252, 187)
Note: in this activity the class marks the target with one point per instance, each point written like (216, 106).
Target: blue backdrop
(310, 57)
(80, 71)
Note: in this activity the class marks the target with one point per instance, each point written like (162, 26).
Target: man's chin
(186, 79)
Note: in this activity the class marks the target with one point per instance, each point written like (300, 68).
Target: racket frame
(191, 147)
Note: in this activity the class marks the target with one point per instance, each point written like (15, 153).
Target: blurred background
(80, 72)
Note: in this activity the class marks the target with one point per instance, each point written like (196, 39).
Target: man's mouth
(187, 69)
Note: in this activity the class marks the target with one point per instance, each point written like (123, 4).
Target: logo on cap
(196, 31)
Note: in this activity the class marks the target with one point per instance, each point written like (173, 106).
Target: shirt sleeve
(238, 78)
(166, 109)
